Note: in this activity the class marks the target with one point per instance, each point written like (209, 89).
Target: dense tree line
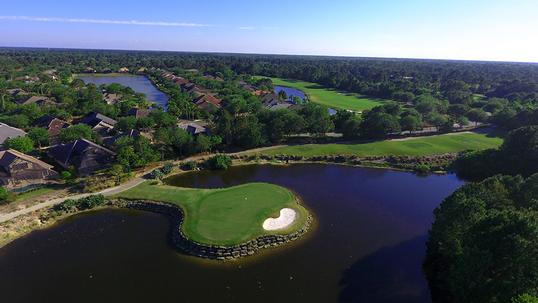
(483, 246)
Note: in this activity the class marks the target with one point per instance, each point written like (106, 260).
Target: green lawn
(330, 97)
(226, 216)
(411, 147)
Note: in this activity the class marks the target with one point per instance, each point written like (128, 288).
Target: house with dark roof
(111, 98)
(19, 170)
(53, 126)
(9, 132)
(99, 123)
(85, 156)
(110, 142)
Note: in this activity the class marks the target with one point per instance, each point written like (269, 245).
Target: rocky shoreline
(214, 252)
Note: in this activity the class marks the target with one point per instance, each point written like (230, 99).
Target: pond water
(368, 246)
(293, 92)
(140, 84)
(290, 92)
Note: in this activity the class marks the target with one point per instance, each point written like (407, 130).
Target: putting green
(329, 97)
(227, 216)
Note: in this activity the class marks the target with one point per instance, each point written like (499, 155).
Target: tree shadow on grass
(390, 275)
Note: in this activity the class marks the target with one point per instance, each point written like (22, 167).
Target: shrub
(156, 174)
(219, 162)
(4, 195)
(167, 168)
(190, 165)
(85, 203)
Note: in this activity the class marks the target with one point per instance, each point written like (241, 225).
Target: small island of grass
(226, 217)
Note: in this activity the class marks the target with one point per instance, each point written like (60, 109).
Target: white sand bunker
(286, 218)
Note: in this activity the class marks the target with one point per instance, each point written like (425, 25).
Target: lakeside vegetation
(448, 143)
(228, 216)
(330, 97)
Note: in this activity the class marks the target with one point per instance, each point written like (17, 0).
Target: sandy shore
(286, 218)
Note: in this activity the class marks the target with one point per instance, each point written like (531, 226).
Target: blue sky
(456, 29)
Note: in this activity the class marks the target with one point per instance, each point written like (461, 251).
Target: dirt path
(106, 192)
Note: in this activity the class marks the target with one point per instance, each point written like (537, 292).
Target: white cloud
(103, 21)
(246, 28)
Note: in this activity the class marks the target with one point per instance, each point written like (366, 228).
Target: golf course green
(329, 97)
(440, 144)
(228, 216)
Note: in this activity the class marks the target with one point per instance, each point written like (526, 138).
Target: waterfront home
(53, 126)
(123, 70)
(194, 127)
(99, 123)
(9, 132)
(18, 170)
(85, 156)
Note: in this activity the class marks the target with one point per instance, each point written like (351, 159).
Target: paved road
(106, 192)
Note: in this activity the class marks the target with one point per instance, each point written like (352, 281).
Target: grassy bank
(423, 146)
(330, 97)
(228, 216)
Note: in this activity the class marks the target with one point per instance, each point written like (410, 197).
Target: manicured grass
(330, 97)
(411, 147)
(226, 216)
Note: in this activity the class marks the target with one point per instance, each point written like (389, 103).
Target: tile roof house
(85, 156)
(19, 170)
(53, 126)
(8, 132)
(99, 123)
(207, 102)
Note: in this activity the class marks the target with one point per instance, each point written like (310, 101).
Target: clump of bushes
(160, 173)
(167, 168)
(85, 203)
(218, 162)
(5, 196)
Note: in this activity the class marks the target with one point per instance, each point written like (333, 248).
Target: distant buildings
(39, 100)
(194, 127)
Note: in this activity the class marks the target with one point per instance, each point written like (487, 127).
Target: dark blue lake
(140, 84)
(368, 246)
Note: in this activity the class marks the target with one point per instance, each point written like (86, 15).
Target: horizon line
(267, 54)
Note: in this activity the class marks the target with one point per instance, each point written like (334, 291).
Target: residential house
(89, 70)
(19, 170)
(99, 123)
(85, 156)
(39, 100)
(110, 142)
(111, 99)
(194, 127)
(8, 132)
(207, 102)
(53, 126)
(139, 112)
(17, 93)
(123, 70)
